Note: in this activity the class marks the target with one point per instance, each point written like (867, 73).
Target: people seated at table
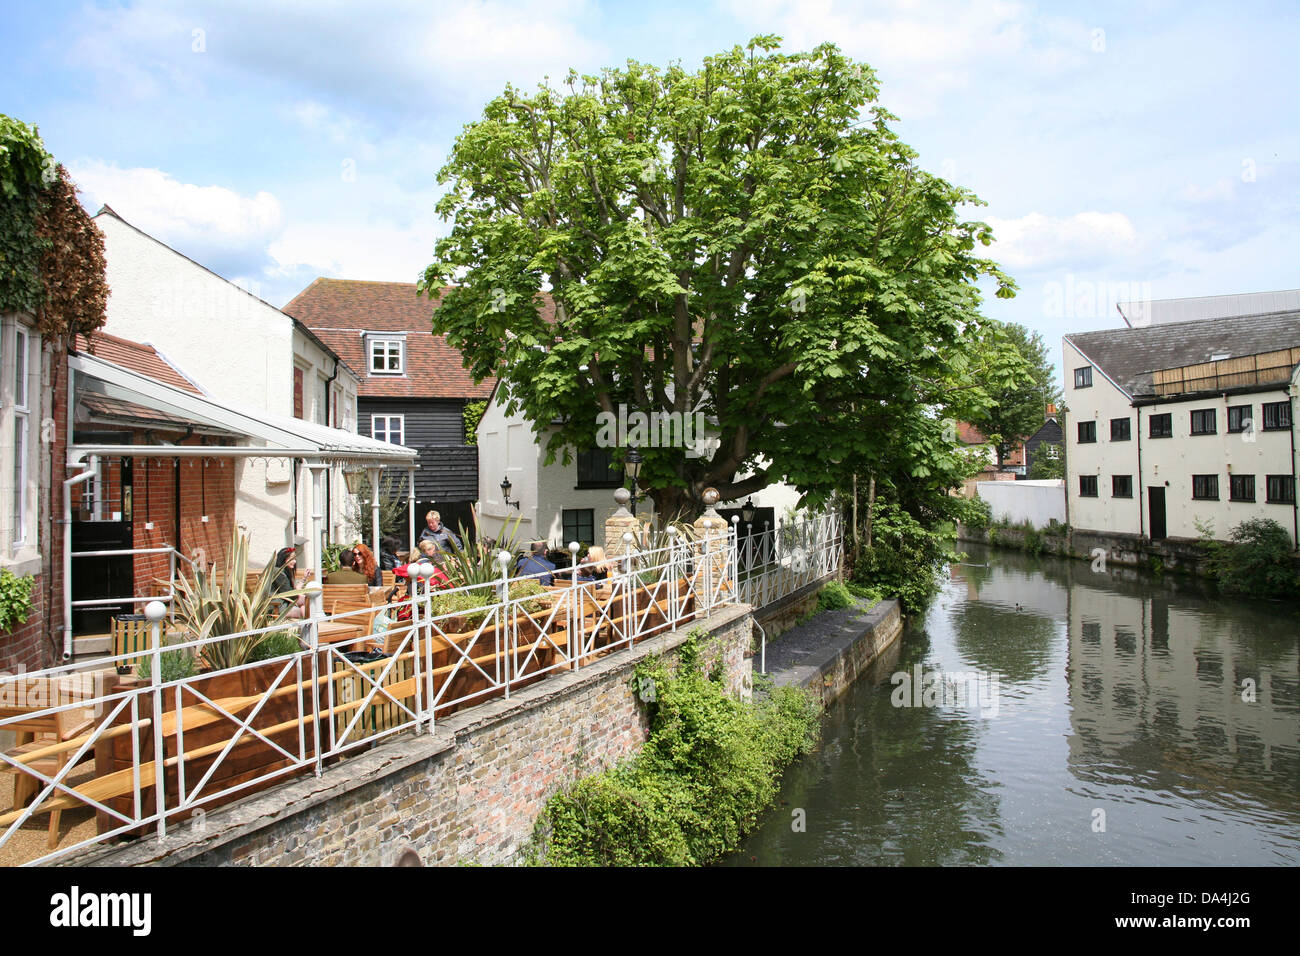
(346, 573)
(285, 566)
(535, 565)
(438, 533)
(388, 558)
(364, 563)
(595, 566)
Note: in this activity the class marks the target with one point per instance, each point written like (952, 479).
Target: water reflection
(1171, 716)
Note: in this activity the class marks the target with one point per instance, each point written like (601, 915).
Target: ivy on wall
(51, 253)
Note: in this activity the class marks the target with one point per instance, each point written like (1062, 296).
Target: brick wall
(468, 793)
(198, 540)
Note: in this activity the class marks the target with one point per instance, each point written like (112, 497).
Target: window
(1280, 489)
(1083, 377)
(1204, 422)
(1277, 415)
(1239, 418)
(386, 356)
(19, 365)
(1087, 432)
(1121, 486)
(1162, 426)
(297, 392)
(389, 428)
(1205, 487)
(597, 469)
(1087, 486)
(1121, 429)
(1241, 487)
(579, 524)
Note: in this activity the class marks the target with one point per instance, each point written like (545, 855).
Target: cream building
(239, 349)
(1180, 426)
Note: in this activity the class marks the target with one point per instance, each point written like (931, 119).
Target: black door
(1156, 497)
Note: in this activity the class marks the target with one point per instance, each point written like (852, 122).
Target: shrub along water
(708, 770)
(1256, 560)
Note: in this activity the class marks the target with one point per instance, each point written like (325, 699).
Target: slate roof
(338, 311)
(137, 357)
(1129, 356)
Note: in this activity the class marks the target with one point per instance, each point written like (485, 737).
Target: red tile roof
(339, 310)
(135, 357)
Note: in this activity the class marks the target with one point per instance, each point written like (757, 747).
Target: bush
(176, 665)
(904, 559)
(834, 597)
(1255, 561)
(977, 514)
(277, 644)
(15, 599)
(707, 772)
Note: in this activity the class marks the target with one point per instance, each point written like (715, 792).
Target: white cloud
(378, 251)
(1220, 191)
(215, 226)
(1036, 241)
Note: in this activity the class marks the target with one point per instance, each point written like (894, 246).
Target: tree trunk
(871, 503)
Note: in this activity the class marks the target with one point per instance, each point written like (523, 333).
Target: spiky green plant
(210, 607)
(474, 562)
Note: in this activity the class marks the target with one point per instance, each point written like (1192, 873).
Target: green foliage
(708, 770)
(1045, 467)
(1255, 561)
(51, 254)
(176, 665)
(863, 592)
(834, 597)
(978, 515)
(209, 606)
(329, 559)
(750, 239)
(1017, 408)
(393, 505)
(1033, 539)
(277, 644)
(473, 415)
(904, 558)
(25, 169)
(15, 599)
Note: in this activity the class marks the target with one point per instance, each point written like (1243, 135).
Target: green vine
(473, 415)
(706, 774)
(51, 252)
(15, 599)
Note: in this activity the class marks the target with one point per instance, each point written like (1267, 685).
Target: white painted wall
(1100, 403)
(1170, 462)
(235, 347)
(1038, 502)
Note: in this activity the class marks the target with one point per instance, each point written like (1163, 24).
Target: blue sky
(1124, 150)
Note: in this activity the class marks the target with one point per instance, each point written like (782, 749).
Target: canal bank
(832, 650)
(1110, 718)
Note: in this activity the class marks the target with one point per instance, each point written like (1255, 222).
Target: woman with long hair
(366, 564)
(596, 567)
(285, 564)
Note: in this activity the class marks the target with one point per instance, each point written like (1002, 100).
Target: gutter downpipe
(1295, 502)
(90, 470)
(1142, 499)
(329, 475)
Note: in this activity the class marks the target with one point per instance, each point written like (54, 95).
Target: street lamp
(747, 511)
(632, 466)
(505, 494)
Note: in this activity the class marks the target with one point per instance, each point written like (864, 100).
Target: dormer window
(387, 355)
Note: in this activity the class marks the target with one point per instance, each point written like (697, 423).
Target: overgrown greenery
(51, 253)
(1048, 466)
(176, 665)
(1017, 409)
(473, 415)
(15, 599)
(708, 771)
(907, 552)
(834, 597)
(1256, 560)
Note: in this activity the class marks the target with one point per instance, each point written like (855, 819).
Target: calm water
(1115, 694)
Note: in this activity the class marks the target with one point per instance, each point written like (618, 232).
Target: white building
(239, 349)
(1178, 425)
(560, 503)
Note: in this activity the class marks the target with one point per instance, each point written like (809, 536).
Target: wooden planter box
(248, 760)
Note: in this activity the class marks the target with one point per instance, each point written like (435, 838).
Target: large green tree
(750, 239)
(1017, 409)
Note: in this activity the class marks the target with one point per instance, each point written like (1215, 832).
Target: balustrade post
(424, 574)
(506, 625)
(575, 609)
(315, 599)
(154, 612)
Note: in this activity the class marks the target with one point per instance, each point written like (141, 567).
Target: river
(1067, 716)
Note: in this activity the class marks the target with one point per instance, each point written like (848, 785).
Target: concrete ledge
(828, 653)
(403, 757)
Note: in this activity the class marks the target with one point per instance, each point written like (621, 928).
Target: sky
(1124, 150)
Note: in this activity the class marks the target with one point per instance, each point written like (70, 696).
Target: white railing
(775, 562)
(172, 749)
